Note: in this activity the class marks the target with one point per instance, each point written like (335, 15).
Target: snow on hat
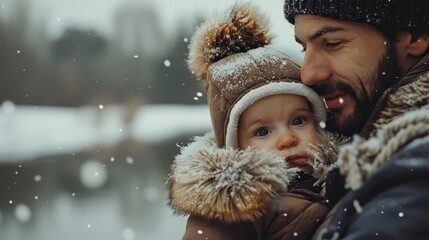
(229, 52)
(386, 15)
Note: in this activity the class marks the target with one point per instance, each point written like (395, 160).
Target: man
(370, 61)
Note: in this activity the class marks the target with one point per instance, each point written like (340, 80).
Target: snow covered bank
(27, 132)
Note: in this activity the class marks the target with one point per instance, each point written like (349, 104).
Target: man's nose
(287, 141)
(315, 68)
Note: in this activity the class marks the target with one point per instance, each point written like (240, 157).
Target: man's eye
(262, 132)
(298, 121)
(333, 44)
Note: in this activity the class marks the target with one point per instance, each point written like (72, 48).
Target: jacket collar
(401, 116)
(418, 69)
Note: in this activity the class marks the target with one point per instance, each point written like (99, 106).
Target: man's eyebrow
(324, 30)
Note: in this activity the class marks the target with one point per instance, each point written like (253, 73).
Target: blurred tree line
(138, 65)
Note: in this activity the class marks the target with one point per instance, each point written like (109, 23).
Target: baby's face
(280, 123)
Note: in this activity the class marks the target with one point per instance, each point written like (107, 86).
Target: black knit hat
(386, 15)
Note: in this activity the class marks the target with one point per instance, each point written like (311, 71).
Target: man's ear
(418, 45)
(410, 48)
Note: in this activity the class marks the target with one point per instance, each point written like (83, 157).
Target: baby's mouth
(297, 161)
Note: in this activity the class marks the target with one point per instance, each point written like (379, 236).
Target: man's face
(348, 64)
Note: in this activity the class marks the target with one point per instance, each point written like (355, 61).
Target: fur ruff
(225, 184)
(240, 29)
(397, 126)
(232, 185)
(325, 154)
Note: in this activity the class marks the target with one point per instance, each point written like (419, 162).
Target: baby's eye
(298, 121)
(262, 132)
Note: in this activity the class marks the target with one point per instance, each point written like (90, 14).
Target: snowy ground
(28, 132)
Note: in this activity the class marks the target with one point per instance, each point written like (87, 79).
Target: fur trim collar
(232, 185)
(223, 183)
(405, 118)
(325, 154)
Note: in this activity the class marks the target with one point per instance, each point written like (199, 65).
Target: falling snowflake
(37, 178)
(129, 160)
(8, 107)
(167, 63)
(92, 174)
(357, 206)
(22, 213)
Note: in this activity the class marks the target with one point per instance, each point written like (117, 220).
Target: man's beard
(383, 77)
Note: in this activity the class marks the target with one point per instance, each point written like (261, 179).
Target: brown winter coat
(293, 215)
(242, 194)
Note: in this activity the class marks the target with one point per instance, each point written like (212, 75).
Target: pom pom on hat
(241, 29)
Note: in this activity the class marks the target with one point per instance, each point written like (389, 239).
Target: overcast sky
(97, 14)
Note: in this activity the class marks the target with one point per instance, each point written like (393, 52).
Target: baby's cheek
(314, 139)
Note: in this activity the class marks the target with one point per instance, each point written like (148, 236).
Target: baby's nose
(287, 141)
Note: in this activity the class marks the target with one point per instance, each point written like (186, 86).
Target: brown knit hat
(229, 53)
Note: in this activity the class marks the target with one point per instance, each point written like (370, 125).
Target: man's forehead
(310, 27)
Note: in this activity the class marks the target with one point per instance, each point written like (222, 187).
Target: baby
(242, 181)
(283, 124)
